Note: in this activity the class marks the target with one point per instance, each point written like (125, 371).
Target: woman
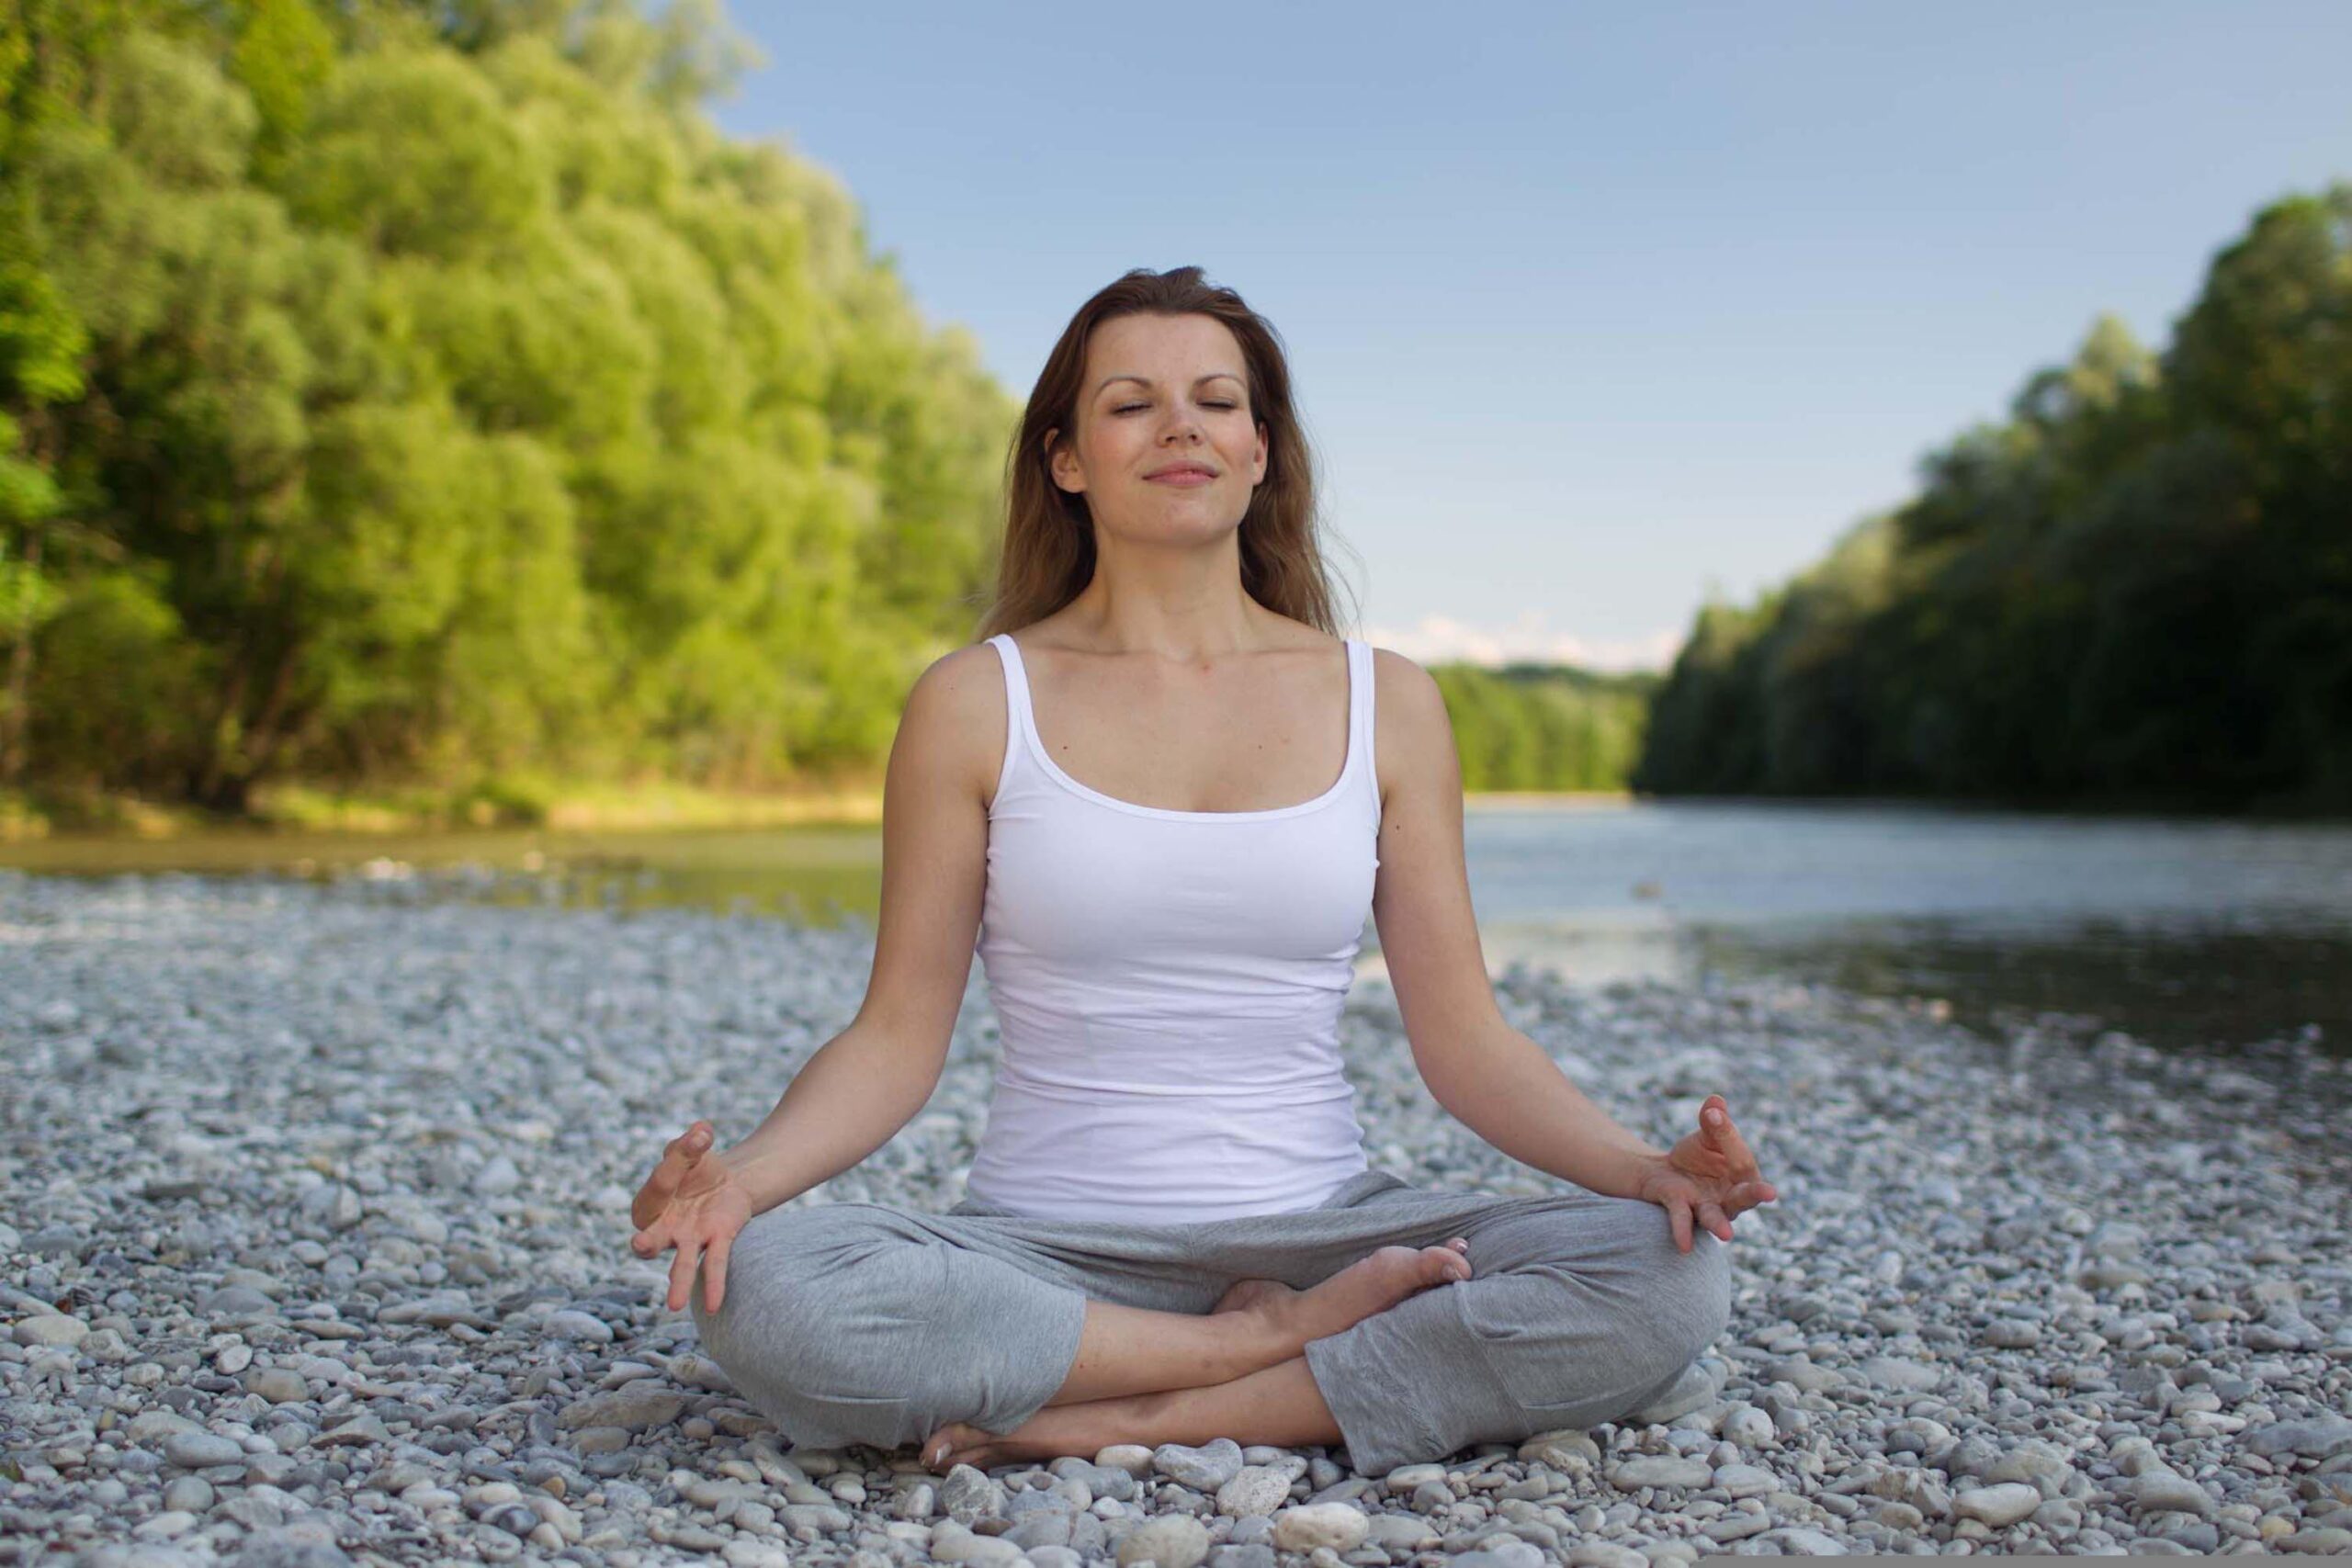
(1146, 808)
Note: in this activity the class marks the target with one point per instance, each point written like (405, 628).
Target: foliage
(1543, 728)
(2135, 591)
(400, 390)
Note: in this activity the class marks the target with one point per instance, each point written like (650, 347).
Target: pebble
(385, 1298)
(1172, 1540)
(967, 1496)
(1744, 1481)
(631, 1408)
(278, 1385)
(580, 1326)
(51, 1330)
(196, 1450)
(1254, 1489)
(2314, 1439)
(2161, 1491)
(1203, 1468)
(1333, 1525)
(191, 1493)
(1657, 1470)
(1998, 1506)
(950, 1543)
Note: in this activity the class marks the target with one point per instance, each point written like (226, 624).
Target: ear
(1259, 463)
(1060, 466)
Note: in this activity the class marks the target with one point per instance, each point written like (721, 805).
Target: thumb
(679, 1155)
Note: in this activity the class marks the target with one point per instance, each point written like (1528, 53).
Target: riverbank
(27, 817)
(315, 1214)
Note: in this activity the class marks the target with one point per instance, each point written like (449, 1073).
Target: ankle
(1263, 1337)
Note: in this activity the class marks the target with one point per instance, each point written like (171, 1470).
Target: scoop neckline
(1037, 747)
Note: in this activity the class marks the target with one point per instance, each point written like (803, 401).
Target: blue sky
(1590, 310)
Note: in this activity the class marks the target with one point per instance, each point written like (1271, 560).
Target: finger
(714, 1271)
(653, 1238)
(678, 1156)
(1718, 1224)
(682, 1273)
(683, 1152)
(1714, 1119)
(1679, 1219)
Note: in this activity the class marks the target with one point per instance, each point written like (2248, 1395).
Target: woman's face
(1164, 398)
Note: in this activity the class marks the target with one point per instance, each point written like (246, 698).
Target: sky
(1593, 312)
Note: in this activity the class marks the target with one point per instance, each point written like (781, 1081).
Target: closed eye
(1129, 408)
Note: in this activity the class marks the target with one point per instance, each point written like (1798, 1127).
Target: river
(2187, 933)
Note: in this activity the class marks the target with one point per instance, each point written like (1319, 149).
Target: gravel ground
(313, 1250)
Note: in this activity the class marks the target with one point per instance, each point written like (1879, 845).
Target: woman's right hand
(694, 1202)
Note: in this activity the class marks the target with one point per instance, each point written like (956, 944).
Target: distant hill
(1544, 727)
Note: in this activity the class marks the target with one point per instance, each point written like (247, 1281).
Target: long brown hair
(1048, 552)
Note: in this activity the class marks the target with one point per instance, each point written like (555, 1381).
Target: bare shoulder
(956, 716)
(1393, 675)
(1412, 733)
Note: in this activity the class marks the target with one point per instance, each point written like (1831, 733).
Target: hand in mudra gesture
(694, 1202)
(1710, 1174)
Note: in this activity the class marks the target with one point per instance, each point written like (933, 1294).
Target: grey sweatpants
(865, 1323)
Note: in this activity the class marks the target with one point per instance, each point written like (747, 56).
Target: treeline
(1528, 726)
(398, 388)
(2136, 591)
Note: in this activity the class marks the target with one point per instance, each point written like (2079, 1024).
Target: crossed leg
(1138, 1370)
(1126, 1350)
(858, 1324)
(1583, 1309)
(1278, 1404)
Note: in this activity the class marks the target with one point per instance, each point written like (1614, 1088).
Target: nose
(1181, 426)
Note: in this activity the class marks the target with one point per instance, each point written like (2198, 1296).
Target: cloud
(1442, 639)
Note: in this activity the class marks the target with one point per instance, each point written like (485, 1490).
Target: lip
(1182, 474)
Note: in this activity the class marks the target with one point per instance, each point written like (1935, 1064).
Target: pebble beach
(313, 1251)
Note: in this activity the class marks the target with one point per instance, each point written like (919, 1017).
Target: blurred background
(1874, 485)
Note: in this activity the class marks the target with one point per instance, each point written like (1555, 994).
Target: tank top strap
(1360, 708)
(1017, 717)
(1016, 678)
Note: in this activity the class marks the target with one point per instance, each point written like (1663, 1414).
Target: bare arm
(847, 1101)
(867, 1082)
(1487, 1075)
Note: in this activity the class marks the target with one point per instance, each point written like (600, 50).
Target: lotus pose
(1159, 799)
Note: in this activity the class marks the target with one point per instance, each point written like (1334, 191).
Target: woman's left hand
(1710, 1174)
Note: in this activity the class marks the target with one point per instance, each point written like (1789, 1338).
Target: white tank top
(1169, 986)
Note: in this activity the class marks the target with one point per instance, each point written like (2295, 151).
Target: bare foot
(1367, 1286)
(959, 1442)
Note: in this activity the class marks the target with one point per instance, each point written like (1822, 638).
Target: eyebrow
(1146, 381)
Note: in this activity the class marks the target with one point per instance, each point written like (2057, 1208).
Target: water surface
(2192, 932)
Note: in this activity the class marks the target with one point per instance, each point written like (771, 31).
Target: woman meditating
(1164, 795)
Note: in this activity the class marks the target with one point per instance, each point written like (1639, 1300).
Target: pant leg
(865, 1323)
(861, 1323)
(1579, 1309)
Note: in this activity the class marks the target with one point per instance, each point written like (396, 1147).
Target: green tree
(393, 392)
(2135, 589)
